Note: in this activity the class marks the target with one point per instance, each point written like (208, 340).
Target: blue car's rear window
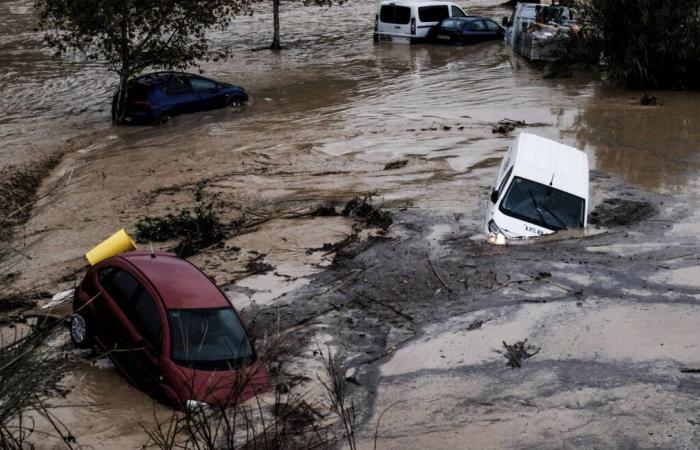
(138, 91)
(452, 24)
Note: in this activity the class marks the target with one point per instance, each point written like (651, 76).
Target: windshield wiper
(551, 213)
(537, 208)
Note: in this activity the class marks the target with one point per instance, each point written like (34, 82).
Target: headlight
(497, 236)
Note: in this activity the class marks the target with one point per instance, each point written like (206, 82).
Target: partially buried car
(464, 30)
(169, 329)
(156, 97)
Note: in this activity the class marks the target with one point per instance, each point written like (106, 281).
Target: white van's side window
(433, 13)
(395, 14)
(503, 182)
(456, 12)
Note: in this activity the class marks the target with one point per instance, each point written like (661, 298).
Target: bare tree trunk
(119, 110)
(276, 24)
(120, 98)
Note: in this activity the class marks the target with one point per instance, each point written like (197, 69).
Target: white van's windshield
(543, 205)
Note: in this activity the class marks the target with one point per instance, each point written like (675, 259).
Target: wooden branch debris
(519, 351)
(389, 307)
(437, 275)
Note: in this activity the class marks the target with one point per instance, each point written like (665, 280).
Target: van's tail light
(142, 104)
(413, 25)
(376, 23)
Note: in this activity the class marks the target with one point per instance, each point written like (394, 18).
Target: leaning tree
(132, 35)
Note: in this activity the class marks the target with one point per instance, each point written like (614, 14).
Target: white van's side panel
(400, 21)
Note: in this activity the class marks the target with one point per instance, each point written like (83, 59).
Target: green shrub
(644, 43)
(196, 228)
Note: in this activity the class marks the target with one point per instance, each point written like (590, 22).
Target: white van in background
(408, 21)
(525, 14)
(541, 187)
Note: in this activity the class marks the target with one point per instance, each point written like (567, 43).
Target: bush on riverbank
(644, 43)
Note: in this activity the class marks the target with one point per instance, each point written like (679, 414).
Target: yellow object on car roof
(117, 243)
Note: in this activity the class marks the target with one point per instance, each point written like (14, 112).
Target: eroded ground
(420, 312)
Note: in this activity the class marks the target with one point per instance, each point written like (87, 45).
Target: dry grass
(18, 188)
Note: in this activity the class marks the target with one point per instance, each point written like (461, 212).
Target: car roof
(546, 161)
(416, 2)
(161, 77)
(467, 18)
(179, 283)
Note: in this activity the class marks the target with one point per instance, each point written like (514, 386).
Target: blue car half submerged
(464, 30)
(156, 97)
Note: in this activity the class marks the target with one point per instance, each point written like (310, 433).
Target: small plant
(648, 100)
(364, 209)
(197, 228)
(336, 388)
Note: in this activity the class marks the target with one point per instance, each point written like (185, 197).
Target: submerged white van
(408, 21)
(541, 187)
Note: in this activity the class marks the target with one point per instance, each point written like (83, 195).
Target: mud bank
(424, 340)
(419, 313)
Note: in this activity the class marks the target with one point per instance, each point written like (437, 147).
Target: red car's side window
(146, 318)
(122, 286)
(136, 303)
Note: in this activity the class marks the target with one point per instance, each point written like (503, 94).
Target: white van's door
(429, 16)
(394, 23)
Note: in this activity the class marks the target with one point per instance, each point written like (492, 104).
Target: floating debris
(648, 100)
(363, 208)
(505, 126)
(517, 352)
(393, 165)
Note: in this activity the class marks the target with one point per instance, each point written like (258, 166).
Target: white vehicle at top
(408, 21)
(525, 14)
(541, 187)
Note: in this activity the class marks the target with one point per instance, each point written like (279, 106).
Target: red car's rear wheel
(80, 332)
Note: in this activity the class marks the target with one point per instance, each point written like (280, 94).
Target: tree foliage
(132, 35)
(644, 43)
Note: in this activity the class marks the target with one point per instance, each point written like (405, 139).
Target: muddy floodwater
(614, 311)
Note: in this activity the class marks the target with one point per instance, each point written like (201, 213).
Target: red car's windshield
(209, 339)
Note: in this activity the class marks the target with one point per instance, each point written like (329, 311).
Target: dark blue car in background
(156, 97)
(464, 30)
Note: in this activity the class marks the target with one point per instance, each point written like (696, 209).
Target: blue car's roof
(467, 18)
(160, 77)
(157, 78)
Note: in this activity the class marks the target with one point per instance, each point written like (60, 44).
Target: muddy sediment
(410, 294)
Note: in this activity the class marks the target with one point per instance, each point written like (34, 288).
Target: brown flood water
(325, 115)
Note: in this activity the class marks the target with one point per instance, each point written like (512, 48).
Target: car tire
(236, 101)
(80, 331)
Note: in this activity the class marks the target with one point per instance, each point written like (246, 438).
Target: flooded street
(616, 317)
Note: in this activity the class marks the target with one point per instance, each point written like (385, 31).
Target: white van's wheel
(80, 332)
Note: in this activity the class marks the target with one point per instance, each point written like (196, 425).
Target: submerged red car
(169, 329)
